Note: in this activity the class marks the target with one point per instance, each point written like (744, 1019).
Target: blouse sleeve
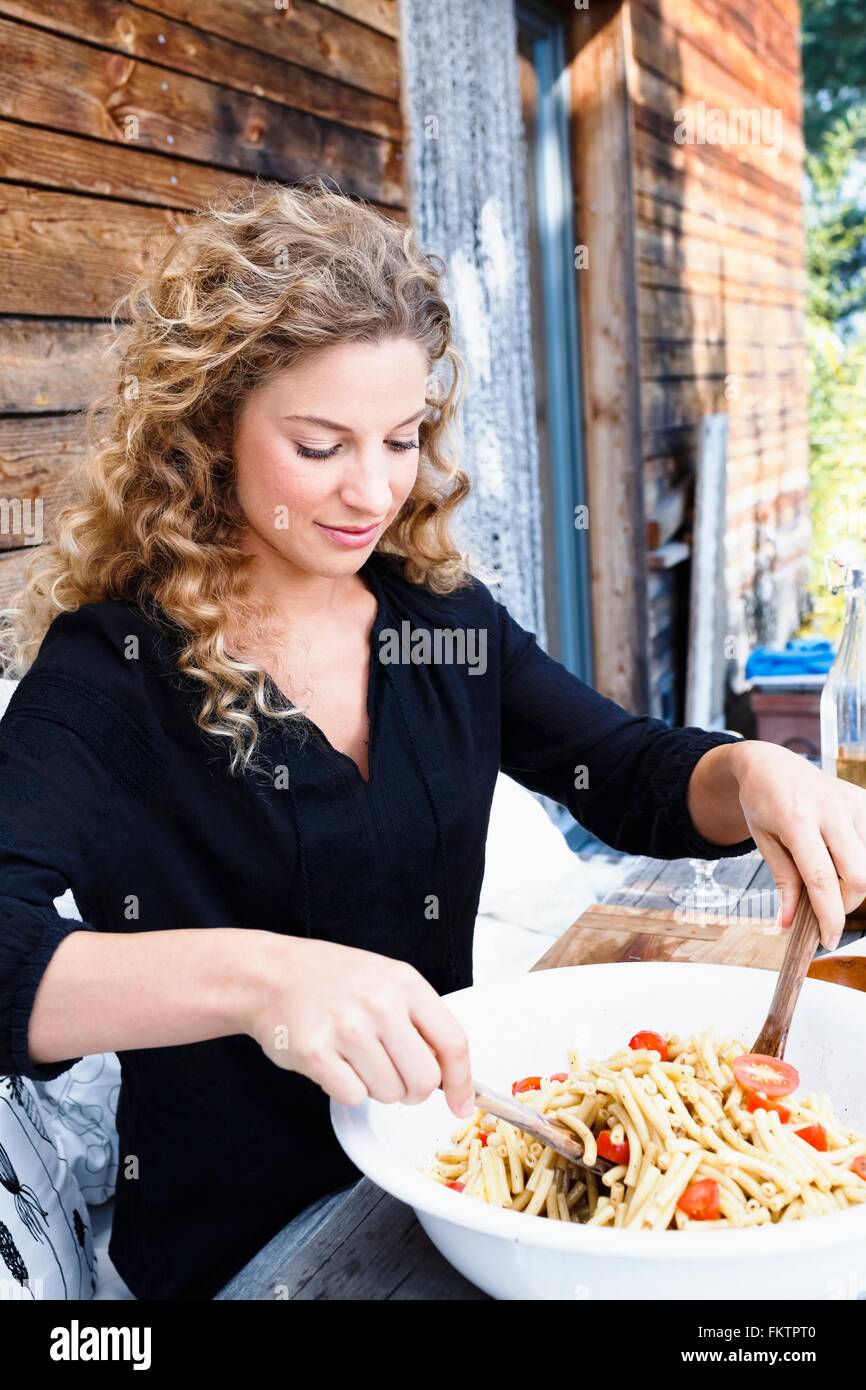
(622, 776)
(73, 762)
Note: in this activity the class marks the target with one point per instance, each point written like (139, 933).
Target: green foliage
(834, 63)
(836, 259)
(837, 476)
(836, 221)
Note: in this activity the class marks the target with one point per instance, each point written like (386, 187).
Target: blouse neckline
(369, 576)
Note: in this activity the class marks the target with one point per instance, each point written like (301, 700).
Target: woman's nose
(366, 486)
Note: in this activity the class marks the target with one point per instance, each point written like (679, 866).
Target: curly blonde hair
(253, 285)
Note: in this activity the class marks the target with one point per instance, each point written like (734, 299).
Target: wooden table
(640, 921)
(371, 1246)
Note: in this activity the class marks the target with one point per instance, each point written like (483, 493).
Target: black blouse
(107, 786)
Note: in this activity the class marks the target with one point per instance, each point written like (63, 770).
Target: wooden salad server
(805, 936)
(539, 1126)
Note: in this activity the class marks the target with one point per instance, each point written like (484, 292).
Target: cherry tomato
(700, 1201)
(458, 1186)
(859, 1166)
(816, 1135)
(655, 1041)
(618, 1153)
(559, 1076)
(769, 1075)
(755, 1101)
(529, 1083)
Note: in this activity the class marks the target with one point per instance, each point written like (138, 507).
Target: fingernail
(465, 1110)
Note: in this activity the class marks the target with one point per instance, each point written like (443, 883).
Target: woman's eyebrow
(332, 424)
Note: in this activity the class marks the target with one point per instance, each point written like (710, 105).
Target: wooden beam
(383, 15)
(53, 81)
(117, 26)
(51, 364)
(305, 33)
(39, 459)
(70, 163)
(44, 236)
(12, 573)
(55, 159)
(603, 155)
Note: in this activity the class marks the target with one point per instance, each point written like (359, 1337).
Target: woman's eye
(316, 453)
(400, 446)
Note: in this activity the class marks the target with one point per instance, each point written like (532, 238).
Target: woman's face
(356, 406)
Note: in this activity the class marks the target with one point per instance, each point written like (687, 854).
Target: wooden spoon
(540, 1126)
(805, 936)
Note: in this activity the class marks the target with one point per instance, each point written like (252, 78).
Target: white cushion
(524, 850)
(531, 875)
(46, 1241)
(534, 885)
(6, 688)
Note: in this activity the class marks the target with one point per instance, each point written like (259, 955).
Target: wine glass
(703, 893)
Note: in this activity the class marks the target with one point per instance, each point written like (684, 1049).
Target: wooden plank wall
(117, 119)
(720, 259)
(610, 382)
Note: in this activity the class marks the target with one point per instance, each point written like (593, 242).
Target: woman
(264, 708)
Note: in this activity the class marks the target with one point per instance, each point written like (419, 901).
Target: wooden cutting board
(611, 932)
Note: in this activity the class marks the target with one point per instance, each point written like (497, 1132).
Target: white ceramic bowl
(525, 1026)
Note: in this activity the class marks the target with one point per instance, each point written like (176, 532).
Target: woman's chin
(331, 563)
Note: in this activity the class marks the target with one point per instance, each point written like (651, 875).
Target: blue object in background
(800, 656)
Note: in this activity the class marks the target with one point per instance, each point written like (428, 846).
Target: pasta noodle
(689, 1149)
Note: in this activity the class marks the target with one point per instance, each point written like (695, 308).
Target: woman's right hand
(357, 1023)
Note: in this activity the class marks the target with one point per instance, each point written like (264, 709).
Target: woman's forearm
(354, 1022)
(713, 794)
(109, 991)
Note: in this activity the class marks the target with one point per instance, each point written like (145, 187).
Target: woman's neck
(297, 601)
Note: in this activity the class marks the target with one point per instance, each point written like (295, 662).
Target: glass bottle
(843, 697)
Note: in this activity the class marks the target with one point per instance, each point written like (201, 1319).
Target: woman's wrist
(226, 978)
(713, 793)
(260, 961)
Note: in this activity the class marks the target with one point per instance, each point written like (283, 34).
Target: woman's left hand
(811, 829)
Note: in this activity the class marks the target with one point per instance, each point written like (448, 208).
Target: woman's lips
(347, 536)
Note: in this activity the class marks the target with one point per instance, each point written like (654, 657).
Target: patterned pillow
(80, 1109)
(46, 1242)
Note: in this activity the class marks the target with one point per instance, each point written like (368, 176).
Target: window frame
(554, 201)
